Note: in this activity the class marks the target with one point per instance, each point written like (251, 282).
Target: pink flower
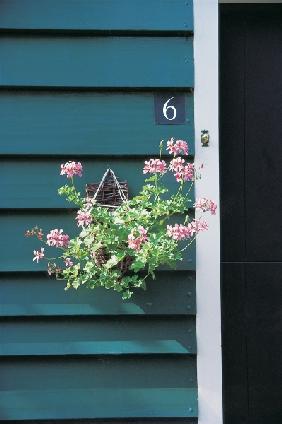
(56, 238)
(35, 231)
(83, 218)
(177, 164)
(213, 207)
(155, 166)
(197, 225)
(177, 147)
(177, 232)
(68, 262)
(186, 174)
(181, 232)
(135, 242)
(88, 203)
(206, 205)
(38, 254)
(143, 233)
(71, 169)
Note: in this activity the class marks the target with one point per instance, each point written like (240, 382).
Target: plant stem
(180, 188)
(161, 148)
(190, 188)
(189, 244)
(156, 187)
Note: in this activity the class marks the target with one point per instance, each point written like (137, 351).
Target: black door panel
(251, 205)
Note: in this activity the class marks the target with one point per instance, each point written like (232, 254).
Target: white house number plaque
(169, 109)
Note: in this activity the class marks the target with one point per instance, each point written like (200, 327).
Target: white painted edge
(208, 327)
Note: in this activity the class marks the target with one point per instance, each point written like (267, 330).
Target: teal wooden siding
(77, 81)
(60, 61)
(28, 192)
(49, 299)
(95, 15)
(14, 224)
(106, 124)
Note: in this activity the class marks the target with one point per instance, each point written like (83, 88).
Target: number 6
(165, 109)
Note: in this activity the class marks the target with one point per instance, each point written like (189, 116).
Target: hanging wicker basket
(101, 257)
(109, 193)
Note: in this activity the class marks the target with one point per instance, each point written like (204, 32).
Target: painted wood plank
(92, 123)
(17, 250)
(153, 15)
(100, 403)
(124, 421)
(232, 127)
(31, 373)
(89, 61)
(57, 373)
(263, 174)
(234, 339)
(33, 183)
(263, 332)
(38, 295)
(82, 334)
(116, 347)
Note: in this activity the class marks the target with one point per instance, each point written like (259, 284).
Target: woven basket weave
(101, 258)
(110, 193)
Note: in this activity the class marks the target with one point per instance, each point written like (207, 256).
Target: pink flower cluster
(206, 205)
(68, 262)
(182, 171)
(181, 232)
(52, 268)
(177, 147)
(83, 218)
(155, 166)
(38, 254)
(35, 231)
(71, 168)
(56, 238)
(88, 203)
(135, 242)
(176, 164)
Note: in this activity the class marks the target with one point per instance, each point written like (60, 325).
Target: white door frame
(209, 362)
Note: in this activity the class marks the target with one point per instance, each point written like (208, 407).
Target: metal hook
(205, 138)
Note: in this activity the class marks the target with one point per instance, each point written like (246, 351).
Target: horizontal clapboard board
(98, 336)
(14, 225)
(24, 376)
(75, 123)
(34, 183)
(171, 293)
(115, 347)
(94, 403)
(31, 373)
(84, 61)
(110, 15)
(34, 387)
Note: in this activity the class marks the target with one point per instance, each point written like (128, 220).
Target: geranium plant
(119, 248)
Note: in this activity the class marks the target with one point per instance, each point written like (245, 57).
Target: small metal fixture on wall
(205, 138)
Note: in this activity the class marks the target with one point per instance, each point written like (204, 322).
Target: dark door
(251, 193)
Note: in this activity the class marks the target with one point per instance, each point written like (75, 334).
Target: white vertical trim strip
(209, 363)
